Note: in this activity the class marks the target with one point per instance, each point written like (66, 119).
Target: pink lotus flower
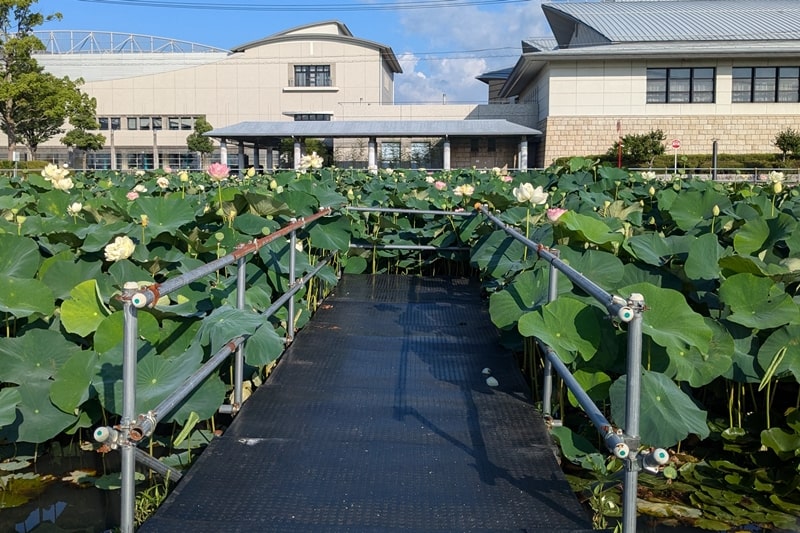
(132, 195)
(440, 185)
(218, 171)
(506, 179)
(554, 213)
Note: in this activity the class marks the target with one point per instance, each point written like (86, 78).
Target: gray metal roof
(667, 20)
(254, 131)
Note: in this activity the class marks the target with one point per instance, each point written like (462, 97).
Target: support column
(256, 158)
(156, 162)
(446, 154)
(223, 152)
(113, 150)
(523, 154)
(270, 159)
(298, 153)
(241, 157)
(372, 153)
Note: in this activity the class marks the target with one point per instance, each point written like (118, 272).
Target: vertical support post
(156, 160)
(547, 378)
(113, 154)
(714, 156)
(256, 156)
(372, 153)
(523, 154)
(298, 153)
(446, 154)
(270, 159)
(238, 360)
(128, 469)
(223, 151)
(292, 277)
(632, 408)
(240, 157)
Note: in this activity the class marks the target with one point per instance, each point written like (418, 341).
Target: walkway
(378, 419)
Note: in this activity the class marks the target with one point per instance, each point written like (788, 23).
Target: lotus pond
(718, 265)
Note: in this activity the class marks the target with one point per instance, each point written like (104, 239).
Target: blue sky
(441, 49)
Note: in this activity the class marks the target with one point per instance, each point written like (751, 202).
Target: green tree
(197, 142)
(42, 108)
(638, 149)
(17, 44)
(83, 118)
(788, 142)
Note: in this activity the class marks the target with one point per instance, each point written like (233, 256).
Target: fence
(133, 428)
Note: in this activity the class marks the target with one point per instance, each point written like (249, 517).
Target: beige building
(150, 91)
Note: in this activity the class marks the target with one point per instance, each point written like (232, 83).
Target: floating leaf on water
(80, 477)
(18, 489)
(112, 481)
(11, 466)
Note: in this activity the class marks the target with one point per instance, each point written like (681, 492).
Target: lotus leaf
(226, 323)
(702, 263)
(35, 356)
(757, 302)
(109, 331)
(164, 215)
(24, 297)
(20, 257)
(255, 225)
(83, 312)
(783, 343)
(499, 255)
(594, 382)
(19, 489)
(62, 273)
(39, 419)
(590, 228)
(693, 207)
(701, 368)
(667, 414)
(73, 380)
(528, 291)
(9, 398)
(568, 326)
(604, 268)
(751, 237)
(97, 236)
(331, 234)
(670, 322)
(263, 347)
(740, 264)
(355, 265)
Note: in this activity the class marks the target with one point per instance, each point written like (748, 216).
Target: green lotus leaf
(301, 204)
(757, 302)
(669, 320)
(528, 291)
(35, 356)
(73, 380)
(266, 204)
(164, 215)
(667, 414)
(355, 265)
(20, 257)
(124, 271)
(499, 255)
(568, 326)
(573, 445)
(54, 203)
(62, 273)
(204, 401)
(109, 331)
(591, 229)
(693, 207)
(700, 368)
(226, 323)
(83, 312)
(113, 481)
(255, 225)
(331, 234)
(39, 419)
(9, 398)
(605, 268)
(24, 297)
(263, 346)
(594, 382)
(702, 263)
(781, 351)
(751, 237)
(740, 264)
(784, 443)
(97, 236)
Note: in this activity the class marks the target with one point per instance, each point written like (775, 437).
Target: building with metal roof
(702, 71)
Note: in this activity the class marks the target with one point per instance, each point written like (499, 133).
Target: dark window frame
(681, 85)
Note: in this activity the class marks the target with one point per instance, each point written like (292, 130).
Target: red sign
(676, 143)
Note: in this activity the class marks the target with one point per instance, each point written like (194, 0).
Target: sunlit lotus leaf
(164, 215)
(23, 297)
(204, 401)
(605, 268)
(703, 259)
(355, 265)
(20, 257)
(62, 273)
(594, 382)
(757, 302)
(331, 234)
(124, 271)
(661, 401)
(570, 327)
(700, 368)
(655, 249)
(113, 481)
(499, 255)
(110, 330)
(781, 351)
(258, 297)
(693, 207)
(97, 236)
(573, 445)
(9, 398)
(326, 196)
(784, 443)
(54, 203)
(591, 229)
(301, 204)
(263, 346)
(739, 264)
(265, 204)
(40, 420)
(226, 323)
(669, 320)
(83, 312)
(751, 236)
(35, 356)
(73, 380)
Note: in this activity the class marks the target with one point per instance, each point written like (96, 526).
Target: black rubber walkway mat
(378, 418)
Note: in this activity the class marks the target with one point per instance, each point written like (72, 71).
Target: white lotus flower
(121, 248)
(527, 193)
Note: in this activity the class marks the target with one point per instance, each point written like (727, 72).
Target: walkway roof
(267, 131)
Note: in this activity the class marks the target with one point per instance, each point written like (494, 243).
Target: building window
(187, 123)
(156, 123)
(680, 85)
(174, 123)
(491, 144)
(312, 76)
(390, 154)
(144, 123)
(308, 117)
(474, 145)
(420, 154)
(133, 123)
(766, 84)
